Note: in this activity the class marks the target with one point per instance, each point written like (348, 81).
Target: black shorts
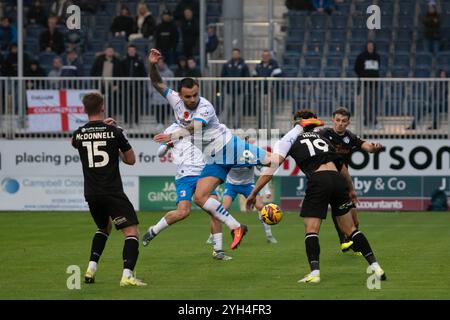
(117, 206)
(324, 188)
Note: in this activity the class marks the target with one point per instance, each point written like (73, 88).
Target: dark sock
(130, 252)
(312, 250)
(341, 235)
(98, 244)
(361, 244)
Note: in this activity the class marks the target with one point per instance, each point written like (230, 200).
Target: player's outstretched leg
(202, 198)
(344, 242)
(183, 210)
(312, 226)
(130, 255)
(267, 229)
(98, 245)
(216, 234)
(361, 244)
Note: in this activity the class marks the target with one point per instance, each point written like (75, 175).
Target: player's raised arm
(180, 133)
(155, 77)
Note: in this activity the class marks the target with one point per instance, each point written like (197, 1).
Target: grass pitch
(37, 248)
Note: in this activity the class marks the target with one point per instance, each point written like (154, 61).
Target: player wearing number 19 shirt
(100, 144)
(317, 159)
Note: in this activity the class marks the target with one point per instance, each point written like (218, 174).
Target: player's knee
(131, 231)
(183, 213)
(200, 199)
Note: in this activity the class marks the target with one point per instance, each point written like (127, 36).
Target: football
(271, 214)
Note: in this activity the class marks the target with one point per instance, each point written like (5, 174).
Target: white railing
(388, 108)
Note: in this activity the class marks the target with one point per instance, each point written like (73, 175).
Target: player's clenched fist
(154, 56)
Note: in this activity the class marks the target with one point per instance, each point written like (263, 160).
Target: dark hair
(236, 49)
(343, 112)
(304, 114)
(92, 102)
(187, 83)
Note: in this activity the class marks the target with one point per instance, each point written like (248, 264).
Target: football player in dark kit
(345, 143)
(317, 159)
(100, 143)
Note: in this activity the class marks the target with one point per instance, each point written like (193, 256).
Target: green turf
(413, 248)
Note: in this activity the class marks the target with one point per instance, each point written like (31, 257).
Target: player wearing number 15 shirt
(100, 143)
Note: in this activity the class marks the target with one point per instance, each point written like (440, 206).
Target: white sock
(127, 273)
(215, 208)
(217, 241)
(374, 266)
(160, 226)
(92, 265)
(267, 228)
(315, 273)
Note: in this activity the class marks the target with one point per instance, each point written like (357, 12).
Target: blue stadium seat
(296, 36)
(338, 35)
(333, 62)
(443, 59)
(422, 73)
(119, 45)
(342, 8)
(445, 7)
(401, 61)
(46, 58)
(400, 72)
(357, 47)
(319, 21)
(382, 47)
(310, 73)
(359, 22)
(294, 46)
(404, 35)
(423, 61)
(383, 35)
(402, 47)
(34, 30)
(405, 21)
(386, 21)
(290, 71)
(297, 21)
(407, 7)
(336, 49)
(332, 72)
(339, 22)
(387, 8)
(142, 45)
(314, 49)
(312, 63)
(96, 45)
(317, 36)
(291, 58)
(31, 44)
(359, 35)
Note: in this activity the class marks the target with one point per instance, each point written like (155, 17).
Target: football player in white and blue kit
(242, 181)
(221, 150)
(189, 162)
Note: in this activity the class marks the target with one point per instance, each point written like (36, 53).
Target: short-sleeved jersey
(215, 134)
(344, 145)
(310, 151)
(187, 157)
(98, 145)
(241, 176)
(283, 146)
